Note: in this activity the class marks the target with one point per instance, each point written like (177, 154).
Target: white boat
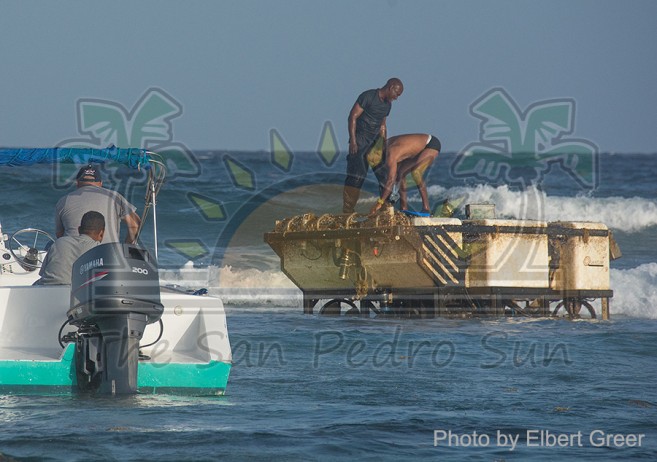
(48, 346)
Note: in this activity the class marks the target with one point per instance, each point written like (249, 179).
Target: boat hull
(192, 355)
(59, 377)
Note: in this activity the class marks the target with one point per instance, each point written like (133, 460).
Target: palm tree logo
(519, 148)
(148, 125)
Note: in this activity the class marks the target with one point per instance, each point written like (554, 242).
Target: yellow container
(579, 253)
(416, 260)
(507, 253)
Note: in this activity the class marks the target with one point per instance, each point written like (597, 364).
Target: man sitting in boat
(412, 153)
(58, 264)
(90, 195)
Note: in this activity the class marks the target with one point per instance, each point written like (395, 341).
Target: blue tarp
(132, 157)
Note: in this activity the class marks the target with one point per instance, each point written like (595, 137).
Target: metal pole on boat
(154, 214)
(155, 179)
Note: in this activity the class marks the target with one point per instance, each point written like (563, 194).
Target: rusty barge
(394, 264)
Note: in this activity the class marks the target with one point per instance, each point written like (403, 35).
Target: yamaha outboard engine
(115, 293)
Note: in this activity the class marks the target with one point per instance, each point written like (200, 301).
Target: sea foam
(627, 214)
(635, 291)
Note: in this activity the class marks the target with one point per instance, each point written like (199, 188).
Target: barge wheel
(335, 306)
(533, 307)
(573, 308)
(590, 308)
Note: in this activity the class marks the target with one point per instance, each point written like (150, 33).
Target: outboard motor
(115, 293)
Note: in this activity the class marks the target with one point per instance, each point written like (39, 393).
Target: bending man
(408, 154)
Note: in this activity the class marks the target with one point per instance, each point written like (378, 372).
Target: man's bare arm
(354, 114)
(132, 222)
(391, 165)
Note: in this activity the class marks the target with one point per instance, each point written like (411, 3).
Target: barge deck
(393, 264)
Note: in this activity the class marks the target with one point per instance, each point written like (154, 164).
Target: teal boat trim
(179, 378)
(58, 376)
(27, 373)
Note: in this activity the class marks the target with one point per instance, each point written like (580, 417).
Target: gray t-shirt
(58, 264)
(375, 110)
(113, 206)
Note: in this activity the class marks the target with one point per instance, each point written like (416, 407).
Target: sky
(240, 69)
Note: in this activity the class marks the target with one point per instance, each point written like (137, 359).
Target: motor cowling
(115, 294)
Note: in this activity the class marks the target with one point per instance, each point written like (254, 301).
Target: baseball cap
(88, 174)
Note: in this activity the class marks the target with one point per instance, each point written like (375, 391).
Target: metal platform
(391, 264)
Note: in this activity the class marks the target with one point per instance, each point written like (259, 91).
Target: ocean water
(315, 388)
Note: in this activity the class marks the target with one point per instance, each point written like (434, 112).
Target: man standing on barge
(367, 122)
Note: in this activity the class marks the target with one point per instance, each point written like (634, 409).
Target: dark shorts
(357, 165)
(434, 143)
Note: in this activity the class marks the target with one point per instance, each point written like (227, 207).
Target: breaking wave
(635, 293)
(627, 214)
(240, 287)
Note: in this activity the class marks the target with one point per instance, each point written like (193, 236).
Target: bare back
(403, 147)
